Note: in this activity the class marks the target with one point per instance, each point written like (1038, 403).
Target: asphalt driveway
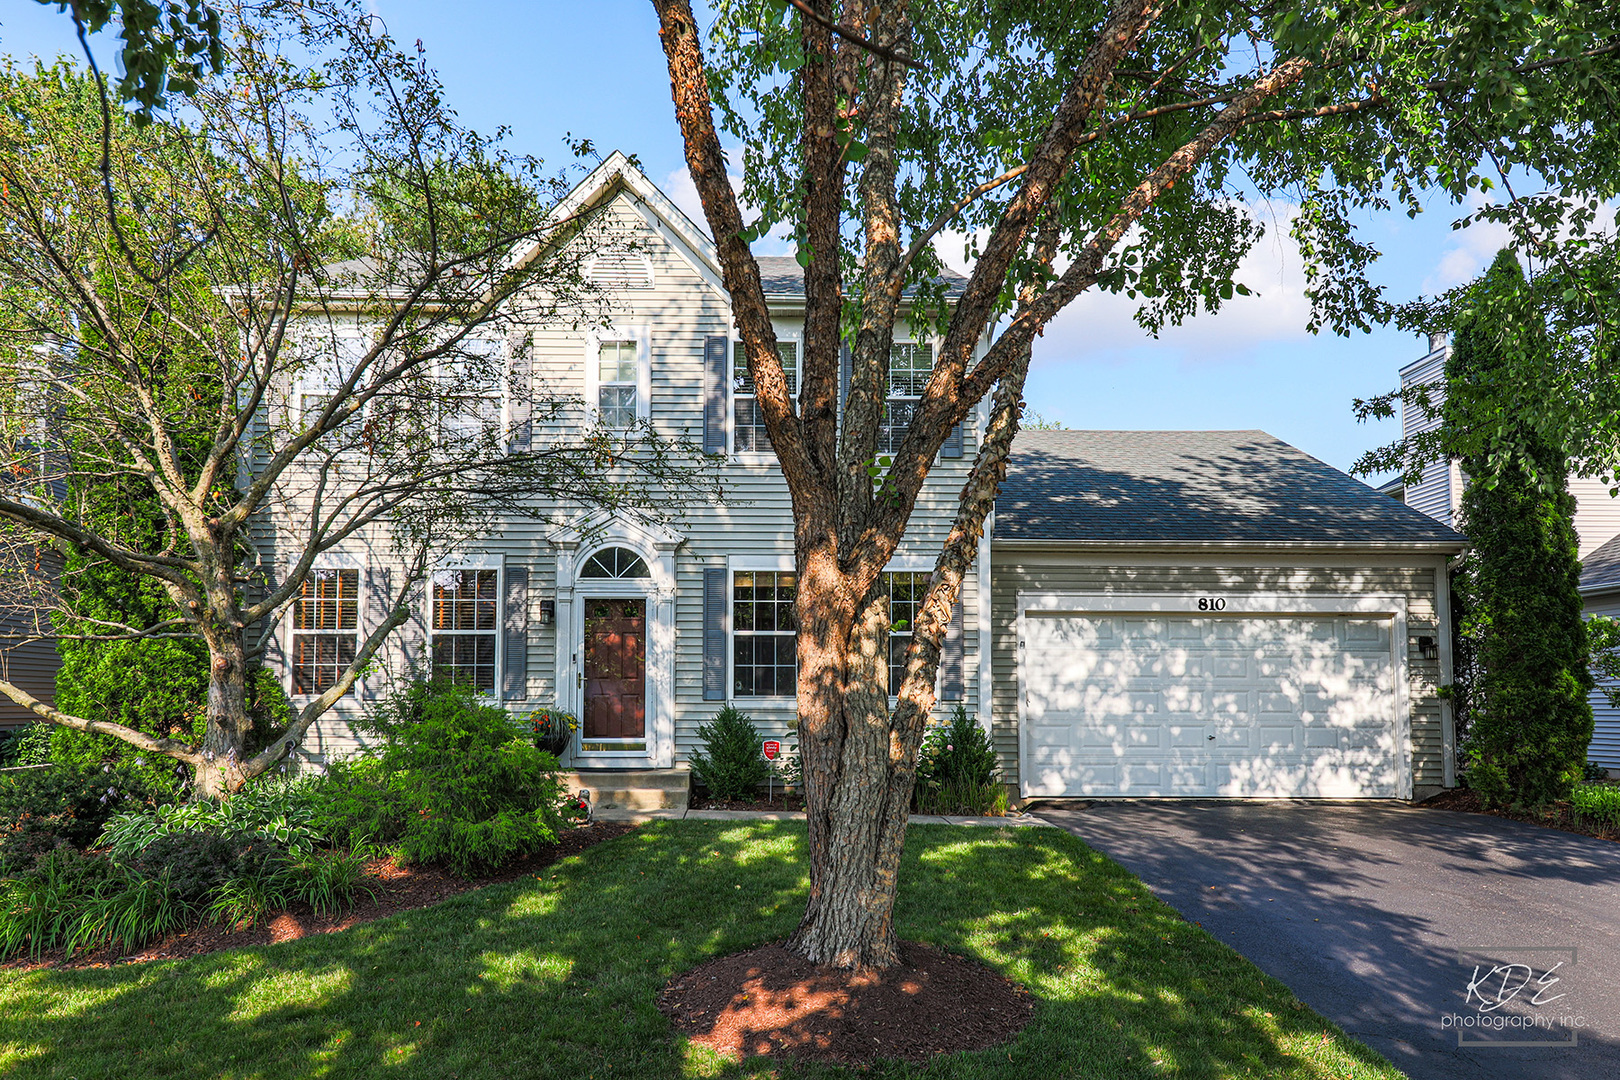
(1380, 915)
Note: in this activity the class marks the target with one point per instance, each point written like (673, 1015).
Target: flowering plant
(576, 808)
(552, 729)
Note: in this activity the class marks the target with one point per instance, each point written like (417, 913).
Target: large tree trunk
(858, 781)
(225, 742)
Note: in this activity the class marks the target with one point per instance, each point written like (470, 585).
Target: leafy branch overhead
(1130, 146)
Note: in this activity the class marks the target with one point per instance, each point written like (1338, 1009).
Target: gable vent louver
(621, 270)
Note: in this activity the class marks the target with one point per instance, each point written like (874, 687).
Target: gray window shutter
(953, 443)
(715, 350)
(515, 657)
(520, 395)
(951, 658)
(714, 634)
(379, 590)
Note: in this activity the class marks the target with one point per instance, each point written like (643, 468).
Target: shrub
(1597, 804)
(280, 811)
(39, 909)
(126, 911)
(328, 881)
(453, 781)
(956, 770)
(197, 863)
(41, 809)
(731, 764)
(1592, 772)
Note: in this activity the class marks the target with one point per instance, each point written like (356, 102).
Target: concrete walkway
(1011, 821)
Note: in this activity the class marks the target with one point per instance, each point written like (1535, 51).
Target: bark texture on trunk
(857, 795)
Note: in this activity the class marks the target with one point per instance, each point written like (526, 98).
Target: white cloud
(1099, 326)
(683, 193)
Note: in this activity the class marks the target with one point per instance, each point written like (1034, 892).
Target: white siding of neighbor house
(1437, 493)
(1597, 513)
(1028, 570)
(676, 315)
(1605, 745)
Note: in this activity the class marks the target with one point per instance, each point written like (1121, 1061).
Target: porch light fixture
(1429, 648)
(548, 612)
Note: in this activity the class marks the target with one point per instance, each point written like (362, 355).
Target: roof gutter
(1424, 547)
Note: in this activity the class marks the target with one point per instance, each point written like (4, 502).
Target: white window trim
(474, 561)
(933, 360)
(315, 378)
(745, 564)
(757, 457)
(330, 561)
(502, 388)
(642, 336)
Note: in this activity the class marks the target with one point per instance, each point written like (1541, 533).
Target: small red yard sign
(772, 749)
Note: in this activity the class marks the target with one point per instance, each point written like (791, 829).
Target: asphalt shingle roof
(1179, 486)
(1600, 570)
(783, 276)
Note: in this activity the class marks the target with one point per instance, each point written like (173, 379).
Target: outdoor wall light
(1429, 648)
(548, 612)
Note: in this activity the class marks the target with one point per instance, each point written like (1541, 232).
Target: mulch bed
(1558, 816)
(781, 802)
(398, 888)
(767, 1001)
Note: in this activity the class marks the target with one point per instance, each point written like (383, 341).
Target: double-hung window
(910, 365)
(466, 620)
(470, 392)
(618, 382)
(326, 621)
(764, 659)
(907, 588)
(748, 434)
(324, 374)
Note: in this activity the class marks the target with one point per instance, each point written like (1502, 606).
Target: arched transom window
(614, 562)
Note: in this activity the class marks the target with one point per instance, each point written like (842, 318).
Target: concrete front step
(633, 789)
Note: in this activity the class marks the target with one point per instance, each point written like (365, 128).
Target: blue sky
(596, 70)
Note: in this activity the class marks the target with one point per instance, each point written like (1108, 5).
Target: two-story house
(1597, 527)
(1151, 613)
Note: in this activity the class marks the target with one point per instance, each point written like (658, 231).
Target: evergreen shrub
(732, 763)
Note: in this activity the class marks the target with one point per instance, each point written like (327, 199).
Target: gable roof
(1600, 571)
(782, 276)
(1195, 487)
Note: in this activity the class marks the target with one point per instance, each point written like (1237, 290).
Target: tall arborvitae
(1531, 718)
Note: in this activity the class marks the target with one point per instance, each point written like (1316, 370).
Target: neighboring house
(1597, 528)
(1151, 613)
(28, 664)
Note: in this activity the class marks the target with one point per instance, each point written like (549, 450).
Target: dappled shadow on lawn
(558, 975)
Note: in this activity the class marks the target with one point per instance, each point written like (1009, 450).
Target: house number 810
(1212, 603)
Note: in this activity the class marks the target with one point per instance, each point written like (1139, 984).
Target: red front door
(615, 669)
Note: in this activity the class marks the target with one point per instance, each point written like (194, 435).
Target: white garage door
(1229, 706)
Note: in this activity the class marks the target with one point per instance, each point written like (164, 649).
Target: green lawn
(556, 976)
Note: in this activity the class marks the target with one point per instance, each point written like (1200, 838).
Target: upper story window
(321, 378)
(618, 379)
(748, 434)
(466, 619)
(470, 390)
(326, 618)
(910, 365)
(764, 634)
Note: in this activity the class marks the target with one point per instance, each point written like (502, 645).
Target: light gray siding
(674, 316)
(1605, 746)
(1034, 571)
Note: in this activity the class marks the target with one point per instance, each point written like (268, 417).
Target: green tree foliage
(164, 46)
(1531, 717)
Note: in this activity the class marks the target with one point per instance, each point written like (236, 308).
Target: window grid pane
(328, 600)
(617, 406)
(910, 365)
(742, 383)
(907, 588)
(466, 610)
(764, 642)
